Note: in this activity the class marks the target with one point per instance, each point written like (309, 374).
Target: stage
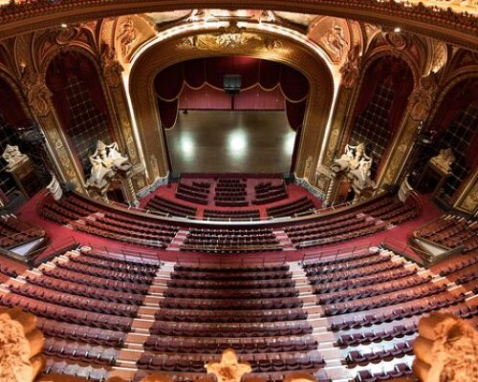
(213, 141)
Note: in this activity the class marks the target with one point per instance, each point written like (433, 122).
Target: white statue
(13, 157)
(350, 160)
(55, 188)
(355, 165)
(106, 162)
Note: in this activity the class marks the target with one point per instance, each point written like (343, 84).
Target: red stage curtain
(259, 99)
(199, 84)
(205, 98)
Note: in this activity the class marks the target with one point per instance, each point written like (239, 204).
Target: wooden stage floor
(231, 142)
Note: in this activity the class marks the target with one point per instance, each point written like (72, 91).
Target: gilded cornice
(443, 20)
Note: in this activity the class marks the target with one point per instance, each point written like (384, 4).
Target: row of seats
(153, 361)
(110, 222)
(231, 240)
(15, 232)
(231, 193)
(452, 232)
(300, 206)
(241, 345)
(355, 357)
(168, 207)
(269, 193)
(231, 215)
(192, 193)
(233, 316)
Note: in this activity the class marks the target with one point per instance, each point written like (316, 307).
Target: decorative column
(39, 100)
(112, 70)
(418, 110)
(350, 74)
(467, 199)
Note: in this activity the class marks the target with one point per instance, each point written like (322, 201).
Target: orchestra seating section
(232, 215)
(231, 240)
(169, 207)
(450, 232)
(196, 192)
(267, 192)
(303, 206)
(85, 302)
(231, 197)
(231, 193)
(348, 316)
(86, 215)
(348, 223)
(15, 232)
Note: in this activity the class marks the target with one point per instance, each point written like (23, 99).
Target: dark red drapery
(10, 106)
(260, 78)
(61, 70)
(458, 99)
(394, 71)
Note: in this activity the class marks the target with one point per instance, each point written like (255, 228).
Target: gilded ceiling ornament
(111, 67)
(229, 41)
(397, 40)
(439, 56)
(350, 70)
(229, 369)
(423, 97)
(231, 37)
(66, 35)
(36, 92)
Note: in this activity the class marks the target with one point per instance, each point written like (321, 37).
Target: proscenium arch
(161, 55)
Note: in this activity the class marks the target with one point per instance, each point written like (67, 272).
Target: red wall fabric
(198, 84)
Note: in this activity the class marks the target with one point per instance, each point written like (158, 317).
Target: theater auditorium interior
(226, 191)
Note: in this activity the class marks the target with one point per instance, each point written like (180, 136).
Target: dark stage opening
(214, 141)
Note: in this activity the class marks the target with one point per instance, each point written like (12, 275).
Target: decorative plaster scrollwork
(111, 67)
(229, 369)
(20, 346)
(422, 98)
(335, 42)
(446, 349)
(228, 39)
(67, 35)
(128, 37)
(36, 92)
(351, 69)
